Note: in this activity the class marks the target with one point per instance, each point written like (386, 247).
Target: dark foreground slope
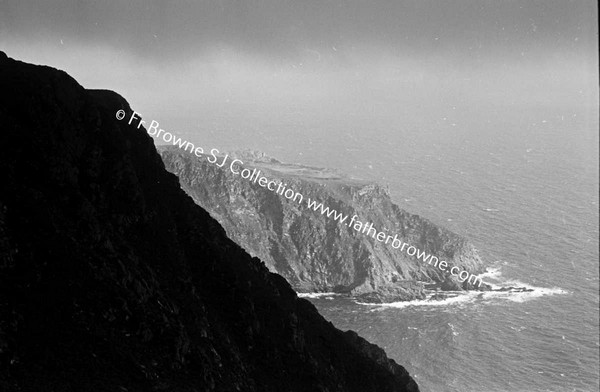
(112, 279)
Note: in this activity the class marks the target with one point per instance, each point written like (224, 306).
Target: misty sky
(192, 64)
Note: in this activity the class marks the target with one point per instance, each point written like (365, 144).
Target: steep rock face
(312, 251)
(112, 279)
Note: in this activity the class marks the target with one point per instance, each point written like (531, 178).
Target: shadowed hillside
(112, 279)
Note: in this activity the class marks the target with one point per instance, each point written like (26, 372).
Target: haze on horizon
(232, 65)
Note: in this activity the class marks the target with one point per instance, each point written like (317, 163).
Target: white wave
(491, 273)
(513, 292)
(461, 298)
(457, 298)
(523, 296)
(316, 295)
(453, 328)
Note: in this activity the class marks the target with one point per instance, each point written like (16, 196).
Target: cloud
(300, 64)
(170, 31)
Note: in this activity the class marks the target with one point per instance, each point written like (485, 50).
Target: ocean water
(522, 187)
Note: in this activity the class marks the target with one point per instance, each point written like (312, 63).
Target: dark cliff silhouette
(112, 279)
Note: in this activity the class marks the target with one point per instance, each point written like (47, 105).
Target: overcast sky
(162, 30)
(181, 60)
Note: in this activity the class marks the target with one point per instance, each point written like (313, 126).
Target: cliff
(112, 279)
(313, 251)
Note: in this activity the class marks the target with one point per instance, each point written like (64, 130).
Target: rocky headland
(314, 252)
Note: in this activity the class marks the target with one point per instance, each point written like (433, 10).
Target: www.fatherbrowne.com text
(255, 176)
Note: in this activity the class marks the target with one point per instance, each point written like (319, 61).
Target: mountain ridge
(111, 278)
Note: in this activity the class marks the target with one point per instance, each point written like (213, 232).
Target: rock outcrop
(113, 279)
(312, 251)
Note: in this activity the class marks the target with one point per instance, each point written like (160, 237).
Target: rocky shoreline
(431, 292)
(313, 252)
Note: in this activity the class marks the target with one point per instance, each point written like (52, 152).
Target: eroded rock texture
(312, 251)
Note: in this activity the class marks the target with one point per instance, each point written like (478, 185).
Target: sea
(512, 166)
(521, 183)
